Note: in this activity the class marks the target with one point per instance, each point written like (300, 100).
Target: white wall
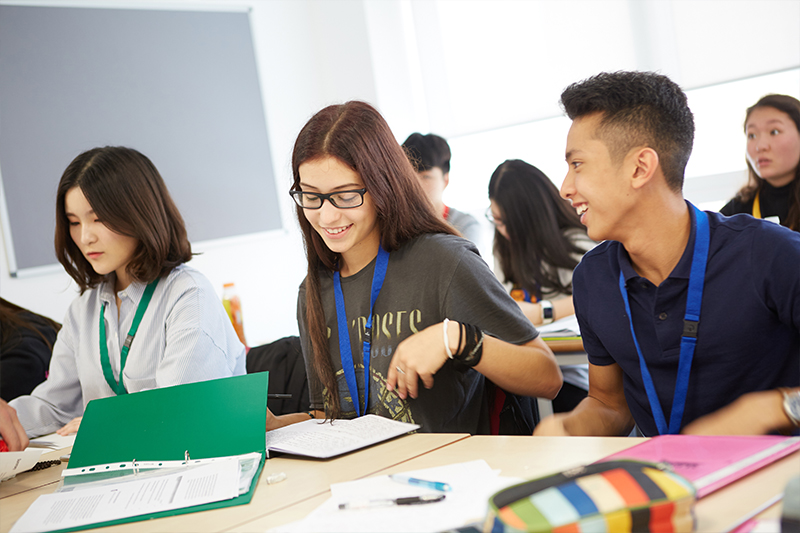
(309, 54)
(488, 73)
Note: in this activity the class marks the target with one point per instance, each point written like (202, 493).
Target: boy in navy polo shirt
(691, 320)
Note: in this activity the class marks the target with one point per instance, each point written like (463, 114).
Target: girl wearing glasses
(538, 242)
(143, 320)
(398, 316)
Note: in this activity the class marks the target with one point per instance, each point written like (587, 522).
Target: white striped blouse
(185, 336)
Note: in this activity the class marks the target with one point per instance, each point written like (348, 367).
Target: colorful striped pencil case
(614, 496)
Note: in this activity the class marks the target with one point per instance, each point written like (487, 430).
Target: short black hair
(428, 151)
(638, 109)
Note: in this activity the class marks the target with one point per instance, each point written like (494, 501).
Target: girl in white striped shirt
(121, 238)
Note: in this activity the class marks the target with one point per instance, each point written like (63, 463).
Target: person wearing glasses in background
(392, 297)
(538, 242)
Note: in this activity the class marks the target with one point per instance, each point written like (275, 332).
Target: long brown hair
(790, 106)
(128, 194)
(358, 136)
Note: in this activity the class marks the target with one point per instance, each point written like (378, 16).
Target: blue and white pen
(435, 485)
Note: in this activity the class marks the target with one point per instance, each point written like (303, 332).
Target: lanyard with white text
(119, 388)
(691, 322)
(345, 352)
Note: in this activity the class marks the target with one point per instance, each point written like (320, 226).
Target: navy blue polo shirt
(749, 333)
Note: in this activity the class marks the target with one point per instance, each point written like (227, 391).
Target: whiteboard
(181, 87)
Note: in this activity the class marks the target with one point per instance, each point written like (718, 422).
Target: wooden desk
(308, 481)
(525, 457)
(530, 457)
(305, 479)
(33, 480)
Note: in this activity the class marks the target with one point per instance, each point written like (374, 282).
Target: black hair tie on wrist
(472, 352)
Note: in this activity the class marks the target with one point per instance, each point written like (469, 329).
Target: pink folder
(711, 462)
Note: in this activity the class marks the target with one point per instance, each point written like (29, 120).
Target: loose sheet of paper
(315, 439)
(193, 486)
(53, 441)
(472, 483)
(12, 463)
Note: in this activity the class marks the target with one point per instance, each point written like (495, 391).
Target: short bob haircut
(357, 135)
(535, 217)
(791, 106)
(637, 109)
(427, 152)
(129, 196)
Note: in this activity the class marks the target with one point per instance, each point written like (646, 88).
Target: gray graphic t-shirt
(430, 278)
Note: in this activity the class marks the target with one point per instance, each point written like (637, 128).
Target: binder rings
(217, 418)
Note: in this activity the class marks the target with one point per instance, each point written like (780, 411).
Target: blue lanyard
(345, 352)
(691, 322)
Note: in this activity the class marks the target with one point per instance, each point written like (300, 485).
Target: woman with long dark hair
(26, 345)
(538, 242)
(772, 127)
(144, 319)
(392, 297)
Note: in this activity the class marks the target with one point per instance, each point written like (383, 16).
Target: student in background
(26, 344)
(121, 238)
(772, 127)
(439, 315)
(538, 242)
(430, 155)
(691, 319)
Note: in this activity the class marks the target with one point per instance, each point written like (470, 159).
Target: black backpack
(283, 359)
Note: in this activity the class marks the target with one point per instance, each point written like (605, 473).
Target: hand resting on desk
(275, 422)
(71, 427)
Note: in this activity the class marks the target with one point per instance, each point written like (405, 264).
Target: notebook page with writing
(315, 438)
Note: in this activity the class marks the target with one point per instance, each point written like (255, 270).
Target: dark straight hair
(535, 217)
(14, 318)
(790, 106)
(359, 137)
(129, 196)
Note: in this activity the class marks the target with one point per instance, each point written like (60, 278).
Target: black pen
(411, 500)
(279, 396)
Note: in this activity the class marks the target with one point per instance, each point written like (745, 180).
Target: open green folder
(217, 418)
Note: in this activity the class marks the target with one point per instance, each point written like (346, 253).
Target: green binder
(216, 418)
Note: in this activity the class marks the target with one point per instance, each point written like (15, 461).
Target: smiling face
(106, 250)
(353, 233)
(773, 145)
(595, 183)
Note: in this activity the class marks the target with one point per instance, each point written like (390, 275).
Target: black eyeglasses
(340, 199)
(490, 218)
